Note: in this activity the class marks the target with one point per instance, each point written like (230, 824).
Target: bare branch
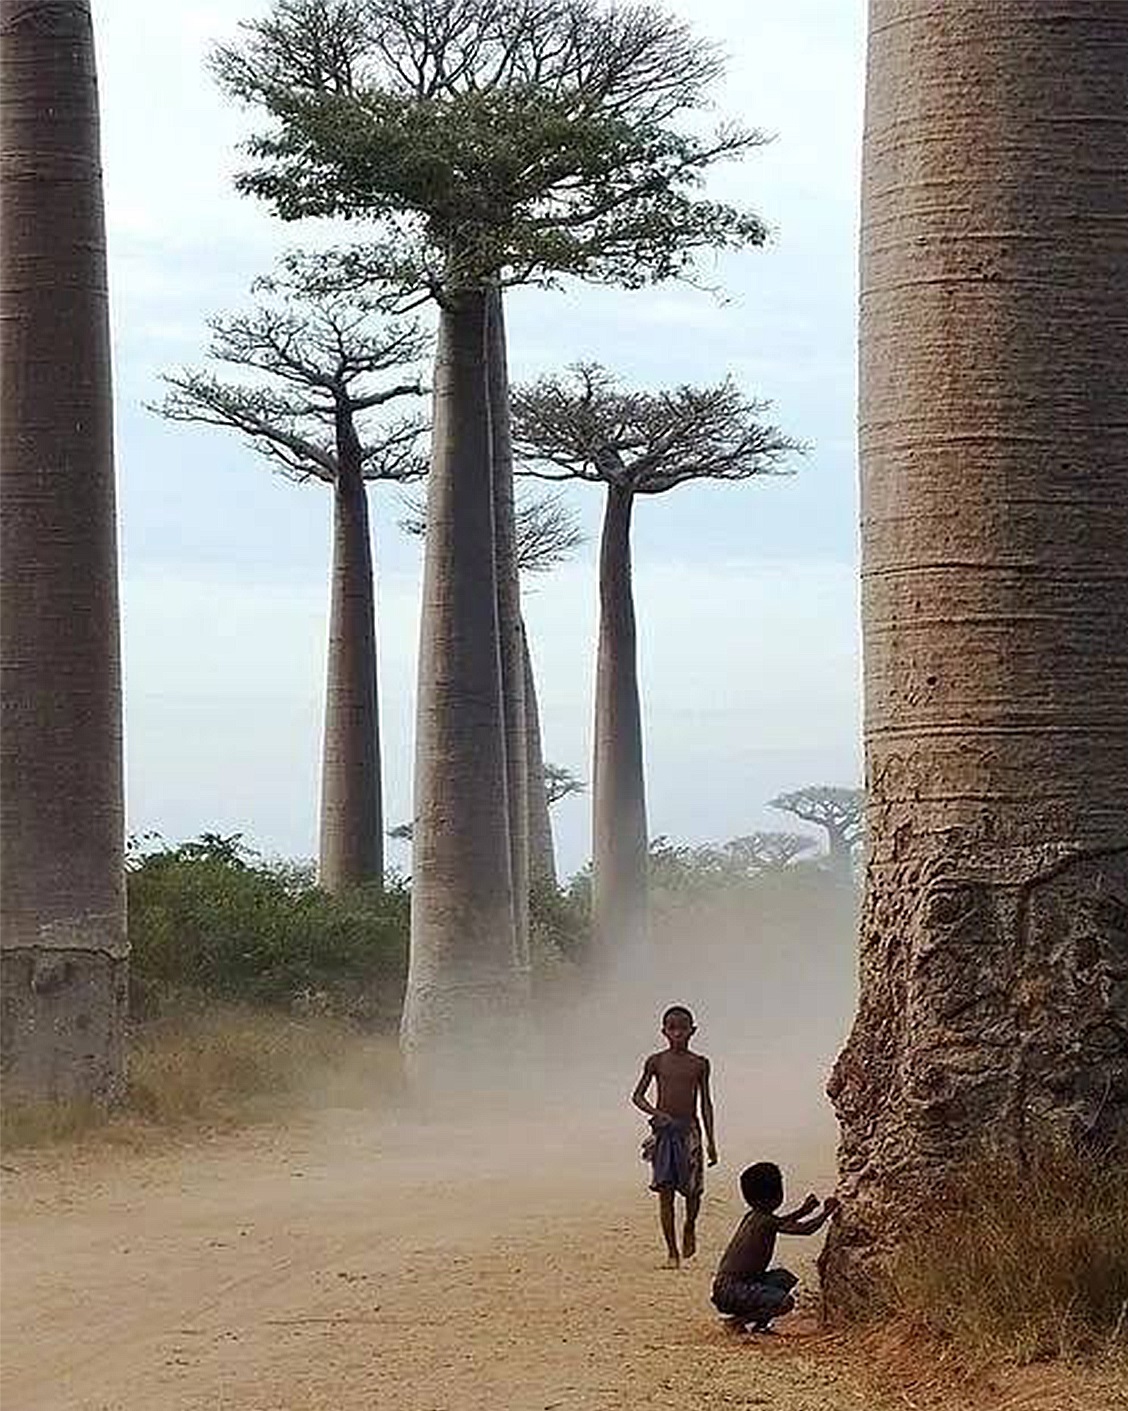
(547, 532)
(315, 363)
(585, 426)
(561, 783)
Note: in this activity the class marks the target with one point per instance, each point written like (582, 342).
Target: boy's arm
(808, 1227)
(811, 1203)
(638, 1097)
(707, 1116)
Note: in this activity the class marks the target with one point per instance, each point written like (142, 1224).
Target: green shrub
(212, 918)
(559, 925)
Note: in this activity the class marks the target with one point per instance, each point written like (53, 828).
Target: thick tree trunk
(619, 832)
(542, 851)
(510, 629)
(840, 852)
(994, 453)
(462, 968)
(62, 894)
(352, 816)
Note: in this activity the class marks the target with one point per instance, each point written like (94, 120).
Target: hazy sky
(746, 593)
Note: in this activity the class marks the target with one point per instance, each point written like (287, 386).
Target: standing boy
(675, 1147)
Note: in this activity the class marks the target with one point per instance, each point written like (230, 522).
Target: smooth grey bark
(509, 623)
(462, 969)
(619, 829)
(62, 893)
(352, 817)
(542, 850)
(994, 461)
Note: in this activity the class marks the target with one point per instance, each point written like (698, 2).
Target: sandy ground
(354, 1264)
(361, 1264)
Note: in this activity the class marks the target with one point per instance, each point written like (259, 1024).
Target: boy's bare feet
(672, 1262)
(689, 1241)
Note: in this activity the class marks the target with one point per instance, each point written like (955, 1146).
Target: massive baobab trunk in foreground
(619, 832)
(994, 449)
(62, 902)
(462, 966)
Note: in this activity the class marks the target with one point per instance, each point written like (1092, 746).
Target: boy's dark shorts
(753, 1300)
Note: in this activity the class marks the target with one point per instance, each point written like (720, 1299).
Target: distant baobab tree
(838, 812)
(316, 376)
(585, 426)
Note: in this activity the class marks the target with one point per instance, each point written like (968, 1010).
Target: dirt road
(362, 1264)
(369, 1265)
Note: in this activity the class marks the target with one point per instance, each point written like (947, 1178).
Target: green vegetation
(212, 920)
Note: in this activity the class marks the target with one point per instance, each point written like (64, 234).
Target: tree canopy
(586, 426)
(838, 810)
(520, 139)
(305, 361)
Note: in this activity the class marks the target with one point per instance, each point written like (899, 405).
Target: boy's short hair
(678, 1011)
(762, 1184)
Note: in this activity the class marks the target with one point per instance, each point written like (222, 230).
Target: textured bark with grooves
(462, 966)
(542, 851)
(62, 902)
(994, 455)
(510, 630)
(619, 832)
(352, 824)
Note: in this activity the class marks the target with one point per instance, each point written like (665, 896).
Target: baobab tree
(994, 463)
(317, 378)
(493, 144)
(756, 853)
(546, 534)
(62, 837)
(585, 426)
(838, 812)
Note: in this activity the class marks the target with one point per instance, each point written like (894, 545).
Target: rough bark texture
(994, 455)
(619, 831)
(462, 969)
(510, 628)
(62, 896)
(542, 850)
(352, 820)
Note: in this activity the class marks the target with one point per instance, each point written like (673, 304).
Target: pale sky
(746, 594)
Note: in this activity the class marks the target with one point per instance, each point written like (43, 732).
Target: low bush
(212, 918)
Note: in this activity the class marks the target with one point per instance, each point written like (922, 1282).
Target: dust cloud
(769, 974)
(495, 1248)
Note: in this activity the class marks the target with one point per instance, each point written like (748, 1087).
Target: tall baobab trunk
(542, 852)
(62, 893)
(994, 453)
(352, 818)
(510, 629)
(840, 852)
(619, 831)
(462, 967)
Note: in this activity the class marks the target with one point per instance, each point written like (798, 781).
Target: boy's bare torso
(679, 1077)
(751, 1248)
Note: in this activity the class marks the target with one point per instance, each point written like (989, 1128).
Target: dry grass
(1024, 1264)
(225, 1067)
